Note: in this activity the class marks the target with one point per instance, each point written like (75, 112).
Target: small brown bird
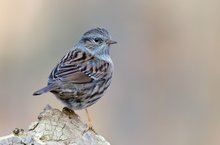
(82, 76)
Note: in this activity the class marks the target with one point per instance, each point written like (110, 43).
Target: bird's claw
(89, 128)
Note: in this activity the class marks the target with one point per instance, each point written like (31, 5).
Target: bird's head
(97, 41)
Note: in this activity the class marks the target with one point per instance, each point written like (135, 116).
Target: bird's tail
(46, 89)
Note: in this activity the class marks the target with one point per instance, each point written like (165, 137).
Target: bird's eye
(98, 40)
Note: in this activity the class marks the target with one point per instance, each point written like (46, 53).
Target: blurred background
(166, 85)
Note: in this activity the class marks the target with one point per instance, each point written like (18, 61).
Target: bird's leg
(89, 119)
(90, 126)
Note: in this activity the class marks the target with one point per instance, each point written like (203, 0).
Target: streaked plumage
(84, 73)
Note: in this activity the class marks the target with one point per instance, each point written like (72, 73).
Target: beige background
(166, 86)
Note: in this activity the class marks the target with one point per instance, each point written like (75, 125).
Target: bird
(83, 75)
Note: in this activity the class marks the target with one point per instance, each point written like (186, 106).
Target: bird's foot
(89, 128)
(69, 112)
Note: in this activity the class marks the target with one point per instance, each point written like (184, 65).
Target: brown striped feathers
(83, 75)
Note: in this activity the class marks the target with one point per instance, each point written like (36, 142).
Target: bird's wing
(78, 67)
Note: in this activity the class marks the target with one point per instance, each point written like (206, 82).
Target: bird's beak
(109, 41)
